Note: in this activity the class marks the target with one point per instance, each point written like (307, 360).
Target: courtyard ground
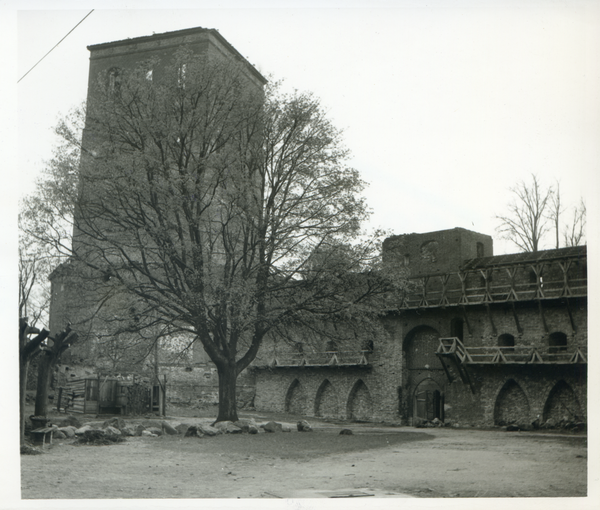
(376, 460)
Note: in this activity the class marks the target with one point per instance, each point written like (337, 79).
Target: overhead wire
(55, 45)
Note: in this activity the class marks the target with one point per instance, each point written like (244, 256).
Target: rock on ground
(128, 431)
(303, 426)
(182, 428)
(155, 430)
(227, 427)
(207, 430)
(166, 426)
(67, 431)
(272, 426)
(194, 431)
(82, 430)
(69, 420)
(118, 423)
(58, 434)
(245, 424)
(112, 431)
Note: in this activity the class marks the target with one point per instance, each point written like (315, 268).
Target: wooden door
(429, 401)
(108, 393)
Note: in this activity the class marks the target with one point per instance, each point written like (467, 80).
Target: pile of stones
(70, 427)
(421, 423)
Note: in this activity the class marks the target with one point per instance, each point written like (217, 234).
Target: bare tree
(34, 292)
(555, 212)
(29, 348)
(51, 351)
(526, 220)
(204, 204)
(574, 234)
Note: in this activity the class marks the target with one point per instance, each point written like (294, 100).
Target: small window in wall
(299, 347)
(456, 328)
(480, 250)
(181, 75)
(429, 251)
(114, 80)
(534, 278)
(485, 278)
(331, 346)
(557, 342)
(507, 342)
(368, 346)
(406, 260)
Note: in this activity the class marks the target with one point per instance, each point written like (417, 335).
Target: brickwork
(327, 402)
(405, 378)
(436, 252)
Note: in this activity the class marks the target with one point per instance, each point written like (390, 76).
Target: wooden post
(58, 402)
(163, 396)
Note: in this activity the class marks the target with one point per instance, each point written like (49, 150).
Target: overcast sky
(444, 105)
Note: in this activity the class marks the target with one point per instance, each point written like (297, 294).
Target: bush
(98, 438)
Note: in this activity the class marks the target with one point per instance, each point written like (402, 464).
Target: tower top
(209, 39)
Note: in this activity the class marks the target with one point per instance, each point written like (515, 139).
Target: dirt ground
(380, 461)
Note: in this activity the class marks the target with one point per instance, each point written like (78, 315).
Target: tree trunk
(227, 393)
(24, 368)
(43, 383)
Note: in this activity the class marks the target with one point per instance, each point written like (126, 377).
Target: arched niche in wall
(326, 401)
(512, 405)
(295, 398)
(557, 342)
(360, 405)
(420, 346)
(428, 401)
(368, 346)
(507, 342)
(562, 404)
(457, 328)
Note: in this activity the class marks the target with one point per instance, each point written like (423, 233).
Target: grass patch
(289, 445)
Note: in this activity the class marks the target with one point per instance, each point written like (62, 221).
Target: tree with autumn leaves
(221, 211)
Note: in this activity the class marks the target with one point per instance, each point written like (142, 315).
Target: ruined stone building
(478, 339)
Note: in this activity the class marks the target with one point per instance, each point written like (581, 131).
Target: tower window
(114, 80)
(429, 251)
(181, 75)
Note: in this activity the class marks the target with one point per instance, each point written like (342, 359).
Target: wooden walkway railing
(322, 359)
(453, 347)
(544, 280)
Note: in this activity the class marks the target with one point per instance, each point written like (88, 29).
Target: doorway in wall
(428, 401)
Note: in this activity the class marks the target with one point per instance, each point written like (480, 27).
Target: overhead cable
(55, 46)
